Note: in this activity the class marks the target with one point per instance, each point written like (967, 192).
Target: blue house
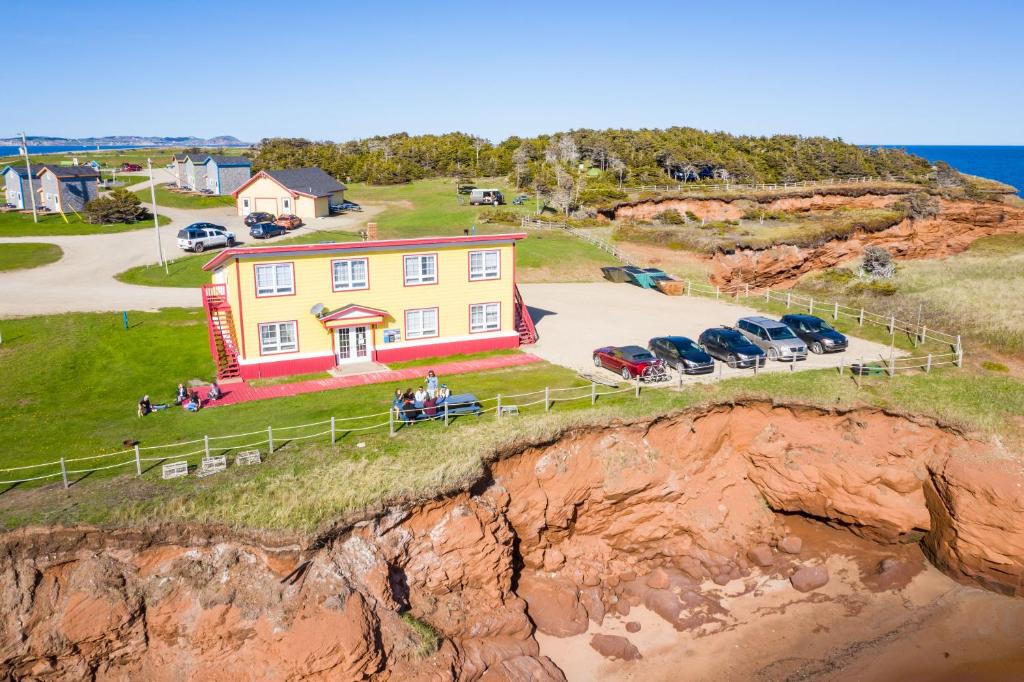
(16, 184)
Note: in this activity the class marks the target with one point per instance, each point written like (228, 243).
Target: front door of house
(352, 344)
(286, 205)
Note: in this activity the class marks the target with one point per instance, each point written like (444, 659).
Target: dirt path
(83, 280)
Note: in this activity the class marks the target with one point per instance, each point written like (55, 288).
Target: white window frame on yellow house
(417, 332)
(489, 316)
(419, 279)
(277, 288)
(277, 345)
(488, 265)
(347, 267)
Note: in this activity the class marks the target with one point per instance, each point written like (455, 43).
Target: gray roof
(70, 171)
(222, 160)
(20, 169)
(313, 181)
(180, 157)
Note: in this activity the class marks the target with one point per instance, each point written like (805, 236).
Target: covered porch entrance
(352, 330)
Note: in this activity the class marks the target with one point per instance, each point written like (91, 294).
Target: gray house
(225, 174)
(16, 184)
(66, 188)
(178, 168)
(195, 171)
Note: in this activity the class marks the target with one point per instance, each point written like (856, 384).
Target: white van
(486, 196)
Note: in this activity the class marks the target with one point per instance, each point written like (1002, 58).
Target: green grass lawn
(165, 197)
(14, 224)
(22, 256)
(89, 407)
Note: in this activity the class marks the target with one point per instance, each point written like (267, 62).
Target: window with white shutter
(351, 274)
(278, 337)
(421, 269)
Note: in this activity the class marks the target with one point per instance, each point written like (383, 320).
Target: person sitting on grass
(192, 403)
(215, 392)
(443, 393)
(430, 407)
(420, 395)
(181, 396)
(396, 403)
(409, 409)
(145, 407)
(431, 384)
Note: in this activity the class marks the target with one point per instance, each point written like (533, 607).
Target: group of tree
(566, 165)
(120, 206)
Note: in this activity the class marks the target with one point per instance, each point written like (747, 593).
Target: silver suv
(777, 340)
(201, 236)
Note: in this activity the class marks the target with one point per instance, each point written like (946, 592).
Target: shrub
(919, 205)
(690, 215)
(120, 206)
(428, 639)
(878, 263)
(500, 215)
(601, 195)
(995, 366)
(873, 287)
(670, 217)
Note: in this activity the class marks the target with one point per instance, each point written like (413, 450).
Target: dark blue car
(732, 347)
(682, 354)
(818, 334)
(266, 230)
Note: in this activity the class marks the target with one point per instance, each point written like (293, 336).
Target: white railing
(330, 430)
(584, 235)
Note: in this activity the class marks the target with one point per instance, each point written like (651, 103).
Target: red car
(630, 361)
(130, 168)
(288, 222)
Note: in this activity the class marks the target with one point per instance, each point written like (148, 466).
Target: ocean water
(6, 150)
(1002, 163)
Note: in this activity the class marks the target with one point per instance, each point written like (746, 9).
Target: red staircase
(524, 323)
(221, 328)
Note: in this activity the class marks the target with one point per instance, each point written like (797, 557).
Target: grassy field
(14, 224)
(164, 197)
(974, 291)
(420, 209)
(24, 256)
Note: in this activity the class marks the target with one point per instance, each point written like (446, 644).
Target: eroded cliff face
(556, 536)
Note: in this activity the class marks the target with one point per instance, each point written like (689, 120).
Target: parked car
(682, 354)
(628, 361)
(201, 236)
(258, 217)
(818, 334)
(266, 230)
(730, 346)
(288, 221)
(130, 168)
(520, 200)
(494, 197)
(345, 206)
(773, 337)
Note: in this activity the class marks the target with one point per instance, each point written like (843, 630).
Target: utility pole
(156, 216)
(28, 169)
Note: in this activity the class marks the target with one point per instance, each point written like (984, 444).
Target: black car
(818, 334)
(732, 347)
(259, 217)
(265, 230)
(682, 354)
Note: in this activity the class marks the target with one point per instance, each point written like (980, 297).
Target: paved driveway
(574, 319)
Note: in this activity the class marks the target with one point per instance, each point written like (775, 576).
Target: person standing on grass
(431, 384)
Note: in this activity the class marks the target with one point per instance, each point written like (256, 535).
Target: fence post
(789, 298)
(637, 381)
(842, 364)
(547, 402)
(391, 423)
(860, 318)
(746, 291)
(718, 293)
(810, 306)
(892, 364)
(924, 333)
(687, 287)
(333, 433)
(446, 413)
(835, 311)
(892, 325)
(497, 409)
(206, 446)
(767, 294)
(138, 461)
(64, 473)
(270, 440)
(593, 393)
(928, 367)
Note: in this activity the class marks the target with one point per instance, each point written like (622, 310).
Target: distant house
(305, 192)
(178, 168)
(66, 188)
(16, 184)
(195, 171)
(225, 174)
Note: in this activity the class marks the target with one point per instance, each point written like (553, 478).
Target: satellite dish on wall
(318, 309)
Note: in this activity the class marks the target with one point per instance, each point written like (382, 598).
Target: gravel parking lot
(574, 319)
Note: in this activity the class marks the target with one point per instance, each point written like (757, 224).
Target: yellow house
(305, 192)
(297, 308)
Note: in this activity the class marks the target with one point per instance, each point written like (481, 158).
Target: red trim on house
(469, 310)
(256, 284)
(437, 269)
(405, 324)
(363, 258)
(261, 370)
(241, 316)
(278, 352)
(420, 242)
(469, 265)
(430, 350)
(366, 311)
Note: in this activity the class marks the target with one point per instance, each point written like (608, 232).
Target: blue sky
(870, 72)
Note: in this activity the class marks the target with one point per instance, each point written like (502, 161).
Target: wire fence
(197, 451)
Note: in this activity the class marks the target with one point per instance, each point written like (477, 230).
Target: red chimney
(371, 231)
